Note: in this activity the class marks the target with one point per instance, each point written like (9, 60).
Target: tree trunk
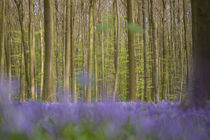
(67, 52)
(22, 95)
(90, 51)
(63, 49)
(84, 54)
(49, 87)
(180, 52)
(42, 60)
(102, 60)
(42, 50)
(155, 53)
(2, 40)
(145, 49)
(185, 41)
(57, 44)
(198, 88)
(116, 46)
(165, 56)
(95, 60)
(32, 51)
(73, 91)
(131, 95)
(20, 8)
(8, 61)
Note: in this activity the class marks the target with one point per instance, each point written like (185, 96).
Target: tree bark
(32, 51)
(95, 59)
(116, 46)
(57, 44)
(20, 8)
(102, 59)
(22, 96)
(165, 56)
(42, 60)
(155, 53)
(185, 41)
(198, 91)
(131, 95)
(2, 40)
(67, 52)
(49, 87)
(90, 51)
(42, 50)
(145, 49)
(73, 90)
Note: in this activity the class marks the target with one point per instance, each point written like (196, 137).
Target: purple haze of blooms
(162, 121)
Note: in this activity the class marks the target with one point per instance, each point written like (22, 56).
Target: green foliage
(85, 131)
(15, 31)
(17, 136)
(104, 27)
(39, 32)
(135, 28)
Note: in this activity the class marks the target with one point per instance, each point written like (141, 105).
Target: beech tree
(32, 51)
(21, 16)
(2, 39)
(198, 89)
(90, 50)
(49, 87)
(116, 46)
(131, 95)
(67, 51)
(155, 53)
(145, 49)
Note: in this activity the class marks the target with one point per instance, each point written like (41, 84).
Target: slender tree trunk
(145, 49)
(95, 59)
(42, 50)
(42, 60)
(57, 45)
(150, 96)
(131, 95)
(2, 40)
(185, 40)
(198, 88)
(174, 48)
(67, 52)
(8, 60)
(84, 54)
(116, 47)
(8, 47)
(90, 51)
(165, 57)
(22, 95)
(20, 8)
(102, 61)
(32, 51)
(49, 87)
(155, 54)
(73, 91)
(181, 59)
(63, 49)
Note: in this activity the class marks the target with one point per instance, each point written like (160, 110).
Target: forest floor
(102, 121)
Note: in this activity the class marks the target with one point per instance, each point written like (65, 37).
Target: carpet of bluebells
(102, 121)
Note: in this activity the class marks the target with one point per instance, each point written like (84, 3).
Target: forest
(104, 69)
